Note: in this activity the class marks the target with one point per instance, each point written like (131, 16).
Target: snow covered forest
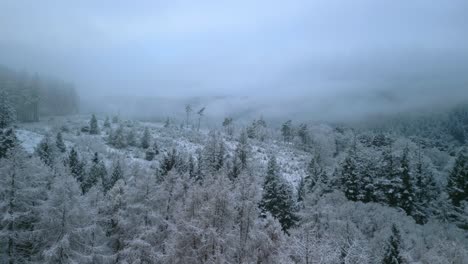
(234, 132)
(104, 189)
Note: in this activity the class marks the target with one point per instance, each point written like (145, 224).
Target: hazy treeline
(32, 96)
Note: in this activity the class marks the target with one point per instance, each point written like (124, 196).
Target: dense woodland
(91, 189)
(31, 96)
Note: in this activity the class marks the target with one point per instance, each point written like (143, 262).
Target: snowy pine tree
(392, 253)
(277, 197)
(107, 123)
(7, 111)
(59, 143)
(65, 226)
(46, 151)
(407, 190)
(116, 175)
(146, 139)
(8, 141)
(77, 167)
(22, 189)
(457, 184)
(286, 131)
(97, 173)
(93, 126)
(350, 178)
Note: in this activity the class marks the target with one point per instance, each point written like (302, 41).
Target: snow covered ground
(29, 140)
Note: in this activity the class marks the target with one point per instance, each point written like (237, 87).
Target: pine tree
(60, 144)
(8, 141)
(277, 197)
(242, 150)
(97, 172)
(107, 123)
(457, 184)
(426, 191)
(131, 138)
(235, 168)
(117, 138)
(303, 133)
(22, 190)
(191, 167)
(117, 174)
(392, 254)
(93, 126)
(168, 162)
(167, 123)
(391, 184)
(228, 128)
(220, 156)
(407, 190)
(315, 173)
(46, 151)
(350, 177)
(301, 190)
(199, 171)
(65, 226)
(7, 112)
(286, 131)
(115, 119)
(77, 168)
(145, 139)
(188, 111)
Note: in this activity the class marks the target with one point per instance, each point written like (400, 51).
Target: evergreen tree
(149, 154)
(286, 131)
(115, 119)
(220, 155)
(93, 126)
(228, 128)
(117, 138)
(315, 173)
(46, 151)
(7, 112)
(391, 184)
(168, 162)
(392, 253)
(303, 133)
(407, 190)
(242, 150)
(117, 174)
(66, 227)
(77, 168)
(107, 123)
(191, 167)
(457, 184)
(97, 172)
(350, 177)
(60, 144)
(22, 190)
(277, 197)
(167, 123)
(188, 111)
(8, 141)
(152, 152)
(131, 138)
(301, 190)
(235, 168)
(426, 191)
(145, 139)
(199, 171)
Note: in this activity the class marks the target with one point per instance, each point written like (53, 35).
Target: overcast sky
(244, 47)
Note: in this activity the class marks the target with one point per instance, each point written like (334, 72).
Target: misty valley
(102, 188)
(234, 132)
